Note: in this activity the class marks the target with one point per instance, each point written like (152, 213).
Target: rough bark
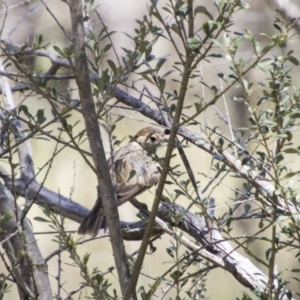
(95, 140)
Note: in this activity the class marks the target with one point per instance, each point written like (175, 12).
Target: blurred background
(69, 174)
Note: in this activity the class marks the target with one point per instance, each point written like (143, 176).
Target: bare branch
(214, 247)
(24, 149)
(290, 10)
(107, 192)
(30, 271)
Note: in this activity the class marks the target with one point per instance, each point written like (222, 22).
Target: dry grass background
(69, 175)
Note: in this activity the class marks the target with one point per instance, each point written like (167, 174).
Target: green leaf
(107, 47)
(152, 248)
(293, 60)
(247, 208)
(184, 282)
(25, 110)
(266, 49)
(206, 28)
(144, 75)
(86, 258)
(179, 192)
(40, 39)
(170, 252)
(202, 10)
(160, 63)
(193, 44)
(245, 161)
(106, 35)
(153, 289)
(148, 52)
(257, 47)
(291, 151)
(40, 116)
(99, 278)
(68, 51)
(58, 50)
(47, 211)
(218, 43)
(175, 275)
(198, 107)
(290, 174)
(112, 66)
(268, 251)
(168, 182)
(40, 219)
(221, 142)
(161, 85)
(175, 28)
(215, 55)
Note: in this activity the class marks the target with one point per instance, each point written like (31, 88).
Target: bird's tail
(94, 221)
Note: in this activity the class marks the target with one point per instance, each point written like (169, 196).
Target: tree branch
(290, 10)
(236, 264)
(214, 248)
(107, 192)
(28, 266)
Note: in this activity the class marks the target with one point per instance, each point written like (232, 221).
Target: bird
(132, 171)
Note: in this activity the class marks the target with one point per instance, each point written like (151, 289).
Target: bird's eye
(153, 139)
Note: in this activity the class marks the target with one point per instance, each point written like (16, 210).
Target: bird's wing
(134, 171)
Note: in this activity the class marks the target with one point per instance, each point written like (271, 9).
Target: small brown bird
(132, 171)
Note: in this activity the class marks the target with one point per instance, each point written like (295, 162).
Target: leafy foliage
(259, 154)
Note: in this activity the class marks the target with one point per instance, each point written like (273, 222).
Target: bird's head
(150, 136)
